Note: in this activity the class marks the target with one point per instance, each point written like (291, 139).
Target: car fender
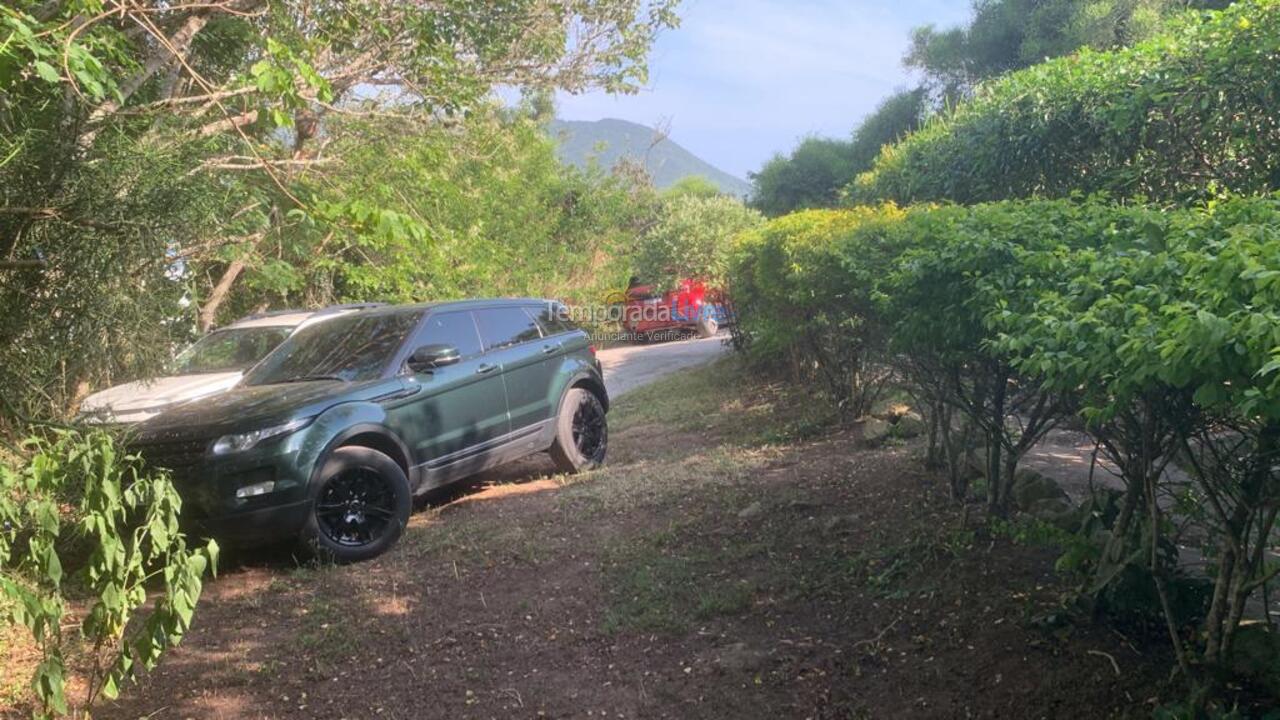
(338, 425)
(574, 373)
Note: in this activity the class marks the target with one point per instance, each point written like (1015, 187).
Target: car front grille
(171, 454)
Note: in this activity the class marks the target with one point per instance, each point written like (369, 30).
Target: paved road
(630, 366)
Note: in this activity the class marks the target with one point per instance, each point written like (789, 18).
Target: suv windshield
(354, 347)
(231, 350)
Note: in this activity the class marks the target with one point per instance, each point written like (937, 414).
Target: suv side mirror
(430, 357)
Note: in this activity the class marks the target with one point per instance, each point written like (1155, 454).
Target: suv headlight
(239, 442)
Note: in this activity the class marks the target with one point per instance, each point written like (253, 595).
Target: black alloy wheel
(360, 504)
(356, 507)
(589, 430)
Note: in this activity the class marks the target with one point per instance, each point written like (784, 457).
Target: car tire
(360, 505)
(582, 433)
(708, 327)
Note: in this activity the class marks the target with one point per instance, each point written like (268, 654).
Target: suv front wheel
(359, 506)
(582, 433)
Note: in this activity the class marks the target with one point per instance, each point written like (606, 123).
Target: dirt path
(734, 560)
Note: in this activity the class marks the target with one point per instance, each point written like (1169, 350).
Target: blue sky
(742, 79)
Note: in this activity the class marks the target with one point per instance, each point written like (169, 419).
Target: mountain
(609, 140)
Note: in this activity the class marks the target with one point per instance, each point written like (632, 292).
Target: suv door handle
(549, 349)
(485, 369)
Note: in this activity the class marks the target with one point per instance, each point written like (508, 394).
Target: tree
(817, 171)
(491, 211)
(895, 117)
(693, 186)
(692, 238)
(1180, 117)
(152, 150)
(811, 177)
(1007, 35)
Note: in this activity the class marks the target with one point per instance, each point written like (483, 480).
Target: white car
(214, 364)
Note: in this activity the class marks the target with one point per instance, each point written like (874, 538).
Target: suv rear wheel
(582, 433)
(360, 506)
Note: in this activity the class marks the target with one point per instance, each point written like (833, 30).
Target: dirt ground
(739, 558)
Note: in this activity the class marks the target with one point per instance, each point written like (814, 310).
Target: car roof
(287, 320)
(474, 304)
(295, 318)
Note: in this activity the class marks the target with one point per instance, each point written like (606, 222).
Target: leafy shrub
(83, 526)
(691, 237)
(802, 289)
(1184, 115)
(1169, 341)
(1159, 328)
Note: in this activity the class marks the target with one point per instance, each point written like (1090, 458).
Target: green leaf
(47, 72)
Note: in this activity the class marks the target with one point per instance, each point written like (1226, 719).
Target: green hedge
(1184, 116)
(819, 266)
(1160, 330)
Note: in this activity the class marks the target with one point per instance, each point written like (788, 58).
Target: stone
(909, 425)
(1057, 512)
(875, 430)
(1030, 487)
(751, 510)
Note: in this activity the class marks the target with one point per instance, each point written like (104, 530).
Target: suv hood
(143, 399)
(249, 408)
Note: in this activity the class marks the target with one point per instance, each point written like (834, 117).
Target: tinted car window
(552, 318)
(504, 327)
(354, 347)
(230, 350)
(456, 329)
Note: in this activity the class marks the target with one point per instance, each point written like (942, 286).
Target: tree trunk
(159, 59)
(209, 311)
(932, 458)
(1006, 482)
(994, 448)
(1219, 608)
(1158, 571)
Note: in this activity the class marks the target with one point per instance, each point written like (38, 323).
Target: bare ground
(738, 559)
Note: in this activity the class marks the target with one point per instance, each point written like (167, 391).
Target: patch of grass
(726, 400)
(658, 483)
(475, 540)
(654, 585)
(329, 635)
(1027, 530)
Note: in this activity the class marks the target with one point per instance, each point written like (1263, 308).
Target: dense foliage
(1006, 35)
(1003, 36)
(163, 167)
(691, 238)
(816, 172)
(810, 177)
(820, 266)
(1182, 116)
(1158, 331)
(418, 210)
(82, 524)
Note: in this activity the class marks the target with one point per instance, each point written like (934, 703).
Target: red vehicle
(689, 308)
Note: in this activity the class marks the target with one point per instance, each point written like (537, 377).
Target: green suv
(329, 438)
